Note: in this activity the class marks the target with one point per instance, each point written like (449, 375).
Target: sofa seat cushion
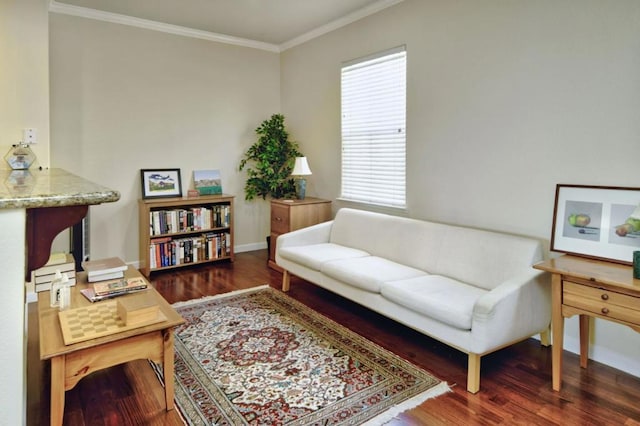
(441, 298)
(368, 273)
(314, 255)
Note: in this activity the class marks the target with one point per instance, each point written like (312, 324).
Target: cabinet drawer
(279, 219)
(602, 302)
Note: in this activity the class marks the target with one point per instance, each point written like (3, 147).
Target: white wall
(24, 76)
(24, 102)
(505, 100)
(125, 99)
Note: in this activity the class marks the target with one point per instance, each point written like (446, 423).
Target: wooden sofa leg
(545, 336)
(286, 280)
(473, 373)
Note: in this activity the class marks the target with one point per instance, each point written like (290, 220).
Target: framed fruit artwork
(601, 222)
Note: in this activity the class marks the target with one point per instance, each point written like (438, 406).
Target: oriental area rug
(259, 357)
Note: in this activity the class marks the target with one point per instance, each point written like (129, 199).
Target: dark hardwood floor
(515, 382)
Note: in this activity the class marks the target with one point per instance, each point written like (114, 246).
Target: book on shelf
(103, 266)
(91, 295)
(122, 285)
(168, 251)
(63, 262)
(181, 220)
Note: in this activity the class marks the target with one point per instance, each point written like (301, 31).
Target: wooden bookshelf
(177, 232)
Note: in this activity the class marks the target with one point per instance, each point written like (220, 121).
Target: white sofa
(474, 290)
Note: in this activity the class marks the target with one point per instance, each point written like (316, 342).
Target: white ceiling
(273, 24)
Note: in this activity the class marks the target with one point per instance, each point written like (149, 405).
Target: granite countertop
(50, 188)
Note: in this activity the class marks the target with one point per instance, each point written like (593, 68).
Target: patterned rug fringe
(392, 413)
(219, 296)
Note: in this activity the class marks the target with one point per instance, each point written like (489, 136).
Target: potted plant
(269, 161)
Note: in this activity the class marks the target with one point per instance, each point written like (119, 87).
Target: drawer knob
(605, 311)
(605, 296)
(278, 219)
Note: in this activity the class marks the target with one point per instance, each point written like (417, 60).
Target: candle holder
(20, 156)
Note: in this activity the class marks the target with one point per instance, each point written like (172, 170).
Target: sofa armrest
(518, 308)
(315, 234)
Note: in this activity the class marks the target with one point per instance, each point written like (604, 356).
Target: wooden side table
(70, 363)
(289, 215)
(589, 288)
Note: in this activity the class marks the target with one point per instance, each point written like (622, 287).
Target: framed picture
(597, 221)
(207, 182)
(157, 183)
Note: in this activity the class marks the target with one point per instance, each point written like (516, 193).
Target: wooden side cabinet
(588, 288)
(176, 232)
(289, 215)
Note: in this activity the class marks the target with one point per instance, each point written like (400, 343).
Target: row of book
(171, 252)
(190, 219)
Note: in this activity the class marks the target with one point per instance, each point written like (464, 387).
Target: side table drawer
(602, 302)
(279, 219)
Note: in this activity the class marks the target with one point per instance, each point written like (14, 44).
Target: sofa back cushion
(482, 258)
(411, 242)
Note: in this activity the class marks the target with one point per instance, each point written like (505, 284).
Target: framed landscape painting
(158, 183)
(207, 182)
(597, 221)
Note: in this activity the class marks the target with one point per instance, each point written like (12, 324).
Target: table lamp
(300, 169)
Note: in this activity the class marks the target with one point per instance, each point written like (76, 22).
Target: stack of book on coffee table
(104, 269)
(112, 288)
(107, 276)
(63, 262)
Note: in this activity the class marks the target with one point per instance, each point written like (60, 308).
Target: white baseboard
(622, 357)
(250, 247)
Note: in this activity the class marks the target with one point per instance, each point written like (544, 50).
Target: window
(374, 129)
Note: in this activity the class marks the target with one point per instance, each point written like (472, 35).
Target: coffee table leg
(57, 390)
(167, 368)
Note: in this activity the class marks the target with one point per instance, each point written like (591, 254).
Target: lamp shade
(301, 168)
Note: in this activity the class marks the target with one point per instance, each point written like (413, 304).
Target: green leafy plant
(269, 161)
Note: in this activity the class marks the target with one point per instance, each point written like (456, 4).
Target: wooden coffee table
(70, 363)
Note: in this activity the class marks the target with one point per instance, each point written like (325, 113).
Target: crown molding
(339, 23)
(116, 18)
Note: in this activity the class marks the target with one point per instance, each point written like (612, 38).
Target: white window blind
(374, 129)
